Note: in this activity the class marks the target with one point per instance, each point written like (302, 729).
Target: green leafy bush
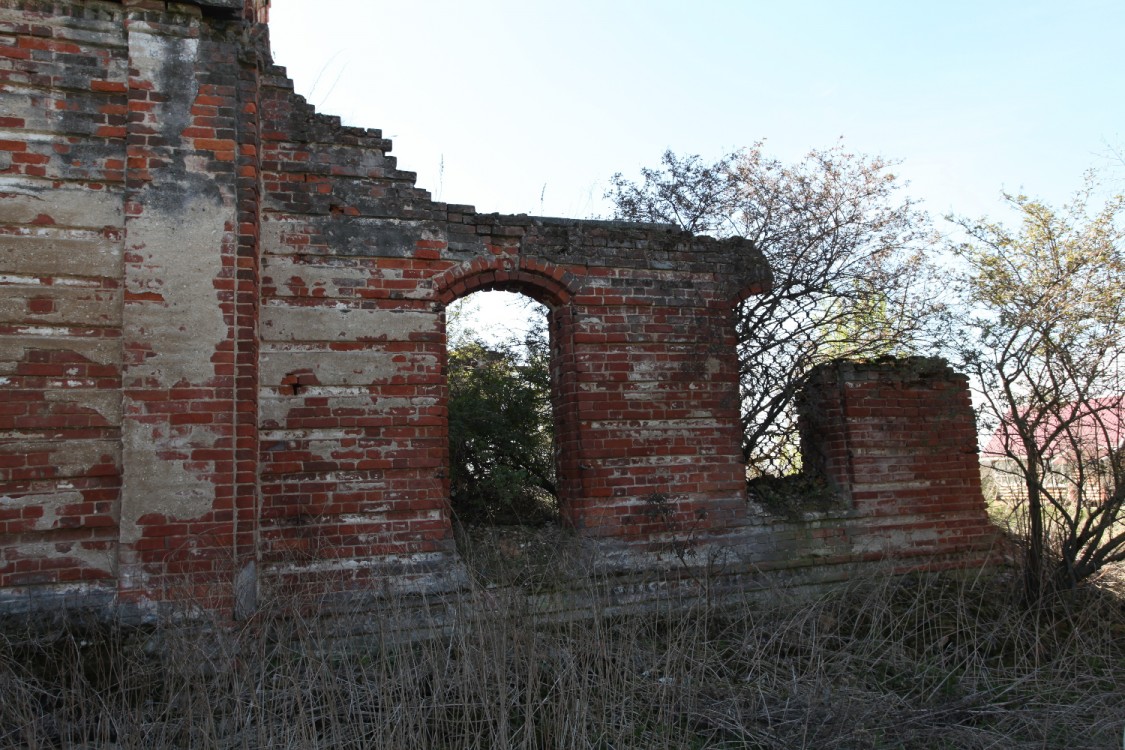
(501, 441)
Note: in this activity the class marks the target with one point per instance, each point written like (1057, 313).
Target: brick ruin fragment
(222, 346)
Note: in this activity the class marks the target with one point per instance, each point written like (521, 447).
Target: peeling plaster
(75, 457)
(337, 368)
(417, 559)
(151, 484)
(98, 559)
(176, 253)
(70, 306)
(182, 252)
(99, 351)
(22, 199)
(105, 402)
(276, 409)
(328, 323)
(46, 251)
(366, 367)
(51, 504)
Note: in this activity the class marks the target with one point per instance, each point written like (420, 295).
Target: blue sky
(531, 106)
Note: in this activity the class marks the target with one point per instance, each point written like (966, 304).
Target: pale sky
(529, 106)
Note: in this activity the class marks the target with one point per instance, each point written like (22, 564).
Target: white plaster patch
(653, 427)
(340, 368)
(635, 461)
(30, 136)
(182, 254)
(71, 306)
(98, 559)
(75, 457)
(51, 250)
(153, 484)
(271, 231)
(46, 331)
(324, 566)
(918, 484)
(330, 280)
(308, 434)
(105, 402)
(275, 408)
(22, 199)
(293, 323)
(149, 46)
(51, 504)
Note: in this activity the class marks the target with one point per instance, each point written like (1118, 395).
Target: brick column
(180, 317)
(898, 439)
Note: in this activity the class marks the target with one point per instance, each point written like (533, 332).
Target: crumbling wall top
(255, 11)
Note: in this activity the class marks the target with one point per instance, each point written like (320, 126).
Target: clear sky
(530, 106)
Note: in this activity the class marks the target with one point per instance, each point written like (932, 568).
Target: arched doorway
(521, 535)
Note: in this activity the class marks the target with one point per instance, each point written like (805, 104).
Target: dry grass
(889, 663)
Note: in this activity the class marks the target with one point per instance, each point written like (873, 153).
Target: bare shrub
(850, 255)
(1043, 338)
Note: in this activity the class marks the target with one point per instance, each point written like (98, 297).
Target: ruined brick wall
(222, 345)
(63, 110)
(357, 268)
(897, 441)
(128, 317)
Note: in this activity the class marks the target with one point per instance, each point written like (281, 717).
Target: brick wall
(63, 114)
(222, 346)
(897, 440)
(127, 319)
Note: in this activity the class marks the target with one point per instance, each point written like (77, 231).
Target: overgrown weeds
(886, 663)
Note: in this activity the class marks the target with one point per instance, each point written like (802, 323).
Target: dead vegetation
(885, 663)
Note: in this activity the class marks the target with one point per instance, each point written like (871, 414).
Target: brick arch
(539, 279)
(554, 287)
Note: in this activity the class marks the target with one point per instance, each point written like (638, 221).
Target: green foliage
(502, 464)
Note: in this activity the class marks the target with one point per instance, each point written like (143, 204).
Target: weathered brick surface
(222, 346)
(898, 440)
(62, 159)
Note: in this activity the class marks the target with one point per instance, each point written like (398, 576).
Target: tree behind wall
(501, 428)
(1044, 338)
(849, 255)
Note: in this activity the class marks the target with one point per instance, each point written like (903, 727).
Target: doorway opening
(502, 445)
